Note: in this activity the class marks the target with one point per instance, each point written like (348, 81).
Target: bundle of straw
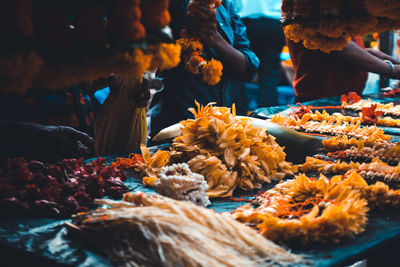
(121, 125)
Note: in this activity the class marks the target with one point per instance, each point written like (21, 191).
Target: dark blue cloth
(182, 88)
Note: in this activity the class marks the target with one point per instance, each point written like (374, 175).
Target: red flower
(351, 98)
(7, 191)
(52, 191)
(300, 111)
(32, 192)
(83, 199)
(370, 115)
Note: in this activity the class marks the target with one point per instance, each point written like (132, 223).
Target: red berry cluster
(57, 190)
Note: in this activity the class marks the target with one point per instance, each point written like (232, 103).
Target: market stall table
(48, 237)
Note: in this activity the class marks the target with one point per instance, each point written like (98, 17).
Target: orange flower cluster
(370, 114)
(192, 48)
(155, 13)
(331, 27)
(79, 42)
(131, 162)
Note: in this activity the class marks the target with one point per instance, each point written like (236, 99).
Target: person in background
(224, 38)
(320, 75)
(265, 32)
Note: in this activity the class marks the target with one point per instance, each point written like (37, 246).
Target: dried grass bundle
(158, 231)
(121, 125)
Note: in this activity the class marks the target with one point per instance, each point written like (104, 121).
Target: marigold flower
(212, 72)
(165, 56)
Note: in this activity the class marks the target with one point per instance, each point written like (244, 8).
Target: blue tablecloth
(48, 237)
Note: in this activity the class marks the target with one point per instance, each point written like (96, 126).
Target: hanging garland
(80, 42)
(192, 48)
(328, 25)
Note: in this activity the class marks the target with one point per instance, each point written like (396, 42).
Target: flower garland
(311, 210)
(134, 63)
(107, 31)
(307, 210)
(331, 27)
(354, 102)
(192, 48)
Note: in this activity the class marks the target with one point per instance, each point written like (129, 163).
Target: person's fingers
(81, 136)
(195, 22)
(82, 150)
(144, 98)
(156, 84)
(203, 13)
(208, 13)
(146, 84)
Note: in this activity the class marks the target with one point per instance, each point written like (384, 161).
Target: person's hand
(144, 97)
(396, 72)
(202, 23)
(53, 143)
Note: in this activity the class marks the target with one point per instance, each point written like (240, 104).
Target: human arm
(381, 55)
(237, 58)
(363, 60)
(40, 142)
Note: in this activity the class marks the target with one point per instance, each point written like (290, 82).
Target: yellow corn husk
(121, 125)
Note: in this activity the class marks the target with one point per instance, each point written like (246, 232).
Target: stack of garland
(55, 44)
(57, 189)
(328, 25)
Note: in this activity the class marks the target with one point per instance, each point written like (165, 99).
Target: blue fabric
(260, 8)
(182, 88)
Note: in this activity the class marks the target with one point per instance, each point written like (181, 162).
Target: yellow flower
(212, 72)
(165, 56)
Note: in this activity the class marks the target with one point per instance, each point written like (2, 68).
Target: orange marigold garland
(155, 13)
(165, 56)
(311, 210)
(307, 210)
(110, 31)
(328, 25)
(192, 48)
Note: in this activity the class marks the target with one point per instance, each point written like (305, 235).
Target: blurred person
(319, 75)
(265, 32)
(224, 38)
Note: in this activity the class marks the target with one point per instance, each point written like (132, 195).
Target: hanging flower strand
(192, 48)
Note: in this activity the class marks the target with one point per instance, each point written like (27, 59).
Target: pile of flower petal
(178, 182)
(307, 210)
(151, 165)
(333, 126)
(56, 190)
(228, 151)
(149, 230)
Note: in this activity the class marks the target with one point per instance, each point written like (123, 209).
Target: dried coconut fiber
(150, 230)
